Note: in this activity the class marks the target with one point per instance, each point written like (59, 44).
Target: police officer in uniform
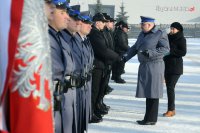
(152, 44)
(64, 115)
(69, 35)
(88, 58)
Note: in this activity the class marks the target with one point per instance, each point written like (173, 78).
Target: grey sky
(165, 11)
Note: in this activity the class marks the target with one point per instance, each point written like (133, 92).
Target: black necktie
(58, 36)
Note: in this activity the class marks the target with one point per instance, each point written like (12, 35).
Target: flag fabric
(29, 95)
(10, 20)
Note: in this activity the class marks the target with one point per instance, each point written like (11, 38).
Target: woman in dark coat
(174, 64)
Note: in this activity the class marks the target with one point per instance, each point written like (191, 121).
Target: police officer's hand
(145, 53)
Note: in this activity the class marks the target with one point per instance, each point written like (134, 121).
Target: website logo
(175, 9)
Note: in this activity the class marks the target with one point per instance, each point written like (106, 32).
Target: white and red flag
(25, 72)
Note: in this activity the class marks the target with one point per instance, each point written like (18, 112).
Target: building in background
(109, 9)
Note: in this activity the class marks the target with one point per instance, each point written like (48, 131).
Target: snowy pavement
(126, 109)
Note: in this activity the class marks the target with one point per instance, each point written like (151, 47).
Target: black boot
(95, 119)
(105, 106)
(120, 80)
(100, 110)
(108, 90)
(143, 122)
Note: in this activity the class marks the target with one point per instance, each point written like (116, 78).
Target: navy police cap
(62, 4)
(74, 12)
(86, 17)
(59, 2)
(147, 19)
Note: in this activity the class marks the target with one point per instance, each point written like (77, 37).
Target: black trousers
(171, 81)
(97, 75)
(151, 114)
(106, 81)
(104, 85)
(117, 69)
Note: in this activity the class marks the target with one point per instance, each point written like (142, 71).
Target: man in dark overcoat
(101, 53)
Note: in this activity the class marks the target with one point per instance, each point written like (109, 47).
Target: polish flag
(25, 72)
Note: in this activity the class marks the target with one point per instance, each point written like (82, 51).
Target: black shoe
(120, 80)
(105, 106)
(108, 90)
(142, 122)
(99, 115)
(95, 119)
(101, 111)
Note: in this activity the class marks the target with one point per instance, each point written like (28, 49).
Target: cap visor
(63, 6)
(105, 20)
(88, 22)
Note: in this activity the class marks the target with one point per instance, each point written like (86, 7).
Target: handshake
(122, 59)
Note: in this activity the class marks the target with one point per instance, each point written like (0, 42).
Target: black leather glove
(119, 58)
(124, 59)
(145, 53)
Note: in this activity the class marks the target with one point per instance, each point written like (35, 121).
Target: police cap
(99, 17)
(147, 19)
(61, 4)
(125, 25)
(74, 12)
(86, 17)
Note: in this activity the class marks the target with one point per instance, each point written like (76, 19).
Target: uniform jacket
(151, 68)
(88, 55)
(121, 41)
(58, 66)
(174, 61)
(77, 51)
(68, 102)
(68, 57)
(102, 52)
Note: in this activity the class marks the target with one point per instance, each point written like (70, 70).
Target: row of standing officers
(82, 53)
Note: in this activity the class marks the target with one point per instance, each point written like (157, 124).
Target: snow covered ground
(126, 109)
